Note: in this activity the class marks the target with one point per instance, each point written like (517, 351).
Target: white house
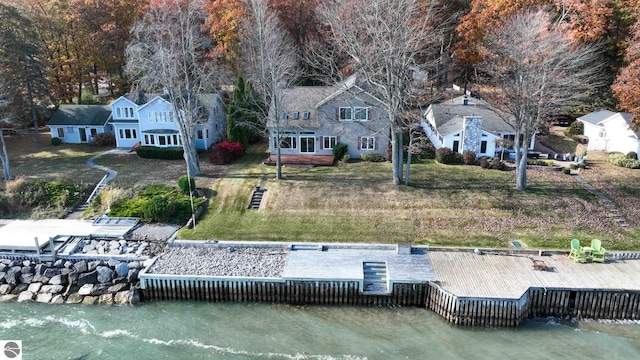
(150, 120)
(77, 124)
(610, 131)
(466, 123)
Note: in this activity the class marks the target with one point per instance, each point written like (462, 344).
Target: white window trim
(370, 140)
(350, 118)
(325, 138)
(360, 109)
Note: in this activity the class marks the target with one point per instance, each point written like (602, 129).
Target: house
(610, 131)
(466, 123)
(316, 118)
(150, 120)
(77, 124)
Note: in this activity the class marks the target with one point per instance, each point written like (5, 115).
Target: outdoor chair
(577, 252)
(597, 251)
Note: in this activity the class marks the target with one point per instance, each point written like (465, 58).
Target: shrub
(469, 157)
(567, 171)
(573, 166)
(447, 156)
(339, 150)
(428, 152)
(496, 164)
(55, 141)
(186, 184)
(165, 153)
(632, 155)
(576, 128)
(372, 157)
(621, 160)
(542, 163)
(225, 152)
(104, 139)
(484, 163)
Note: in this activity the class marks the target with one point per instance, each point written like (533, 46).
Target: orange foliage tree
(626, 87)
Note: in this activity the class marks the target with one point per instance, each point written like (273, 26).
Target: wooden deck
(466, 274)
(310, 160)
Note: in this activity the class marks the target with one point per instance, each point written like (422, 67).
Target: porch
(311, 160)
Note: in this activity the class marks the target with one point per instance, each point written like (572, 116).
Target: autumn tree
(387, 43)
(21, 66)
(627, 84)
(5, 122)
(269, 61)
(167, 53)
(224, 21)
(533, 70)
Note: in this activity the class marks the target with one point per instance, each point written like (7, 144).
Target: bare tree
(5, 122)
(388, 41)
(168, 52)
(269, 62)
(534, 70)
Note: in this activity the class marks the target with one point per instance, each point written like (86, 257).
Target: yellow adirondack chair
(577, 252)
(597, 251)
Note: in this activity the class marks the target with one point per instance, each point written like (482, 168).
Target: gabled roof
(82, 115)
(449, 116)
(597, 116)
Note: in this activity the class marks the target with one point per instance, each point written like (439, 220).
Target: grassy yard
(445, 205)
(355, 202)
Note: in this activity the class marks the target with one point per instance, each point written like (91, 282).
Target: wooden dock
(497, 289)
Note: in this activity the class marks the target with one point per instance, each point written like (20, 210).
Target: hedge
(165, 153)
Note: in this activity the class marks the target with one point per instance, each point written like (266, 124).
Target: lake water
(192, 330)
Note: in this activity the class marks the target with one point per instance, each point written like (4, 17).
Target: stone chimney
(472, 135)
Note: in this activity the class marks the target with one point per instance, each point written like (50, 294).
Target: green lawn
(445, 205)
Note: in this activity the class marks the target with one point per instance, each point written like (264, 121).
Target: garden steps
(256, 198)
(375, 278)
(608, 204)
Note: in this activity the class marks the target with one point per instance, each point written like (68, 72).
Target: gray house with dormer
(466, 123)
(316, 118)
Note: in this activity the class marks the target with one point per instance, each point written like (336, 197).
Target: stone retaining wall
(73, 282)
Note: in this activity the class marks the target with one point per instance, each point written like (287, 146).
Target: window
(294, 115)
(94, 132)
(128, 134)
(367, 143)
(60, 132)
(329, 142)
(162, 140)
(307, 144)
(124, 112)
(287, 141)
(305, 115)
(199, 134)
(483, 147)
(345, 114)
(602, 134)
(360, 114)
(283, 115)
(208, 133)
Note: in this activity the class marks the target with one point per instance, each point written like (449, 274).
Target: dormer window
(124, 112)
(283, 115)
(305, 115)
(294, 115)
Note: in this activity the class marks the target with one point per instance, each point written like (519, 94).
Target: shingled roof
(449, 116)
(83, 115)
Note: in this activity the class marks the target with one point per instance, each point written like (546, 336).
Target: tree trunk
(396, 157)
(5, 158)
(408, 170)
(278, 162)
(33, 112)
(191, 158)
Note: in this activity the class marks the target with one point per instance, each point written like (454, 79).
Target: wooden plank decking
(466, 274)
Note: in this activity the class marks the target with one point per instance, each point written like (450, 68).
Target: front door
(456, 146)
(83, 135)
(307, 144)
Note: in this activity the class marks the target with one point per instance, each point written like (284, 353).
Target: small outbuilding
(76, 124)
(610, 131)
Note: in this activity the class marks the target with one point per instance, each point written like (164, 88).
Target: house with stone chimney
(467, 123)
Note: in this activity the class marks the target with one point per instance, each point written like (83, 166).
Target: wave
(230, 351)
(83, 325)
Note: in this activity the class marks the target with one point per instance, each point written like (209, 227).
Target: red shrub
(225, 152)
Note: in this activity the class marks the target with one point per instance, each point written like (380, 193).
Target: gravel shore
(245, 262)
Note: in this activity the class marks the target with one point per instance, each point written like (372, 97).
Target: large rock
(74, 298)
(44, 298)
(20, 288)
(99, 290)
(5, 289)
(73, 277)
(127, 297)
(34, 287)
(92, 265)
(71, 289)
(57, 299)
(104, 274)
(122, 269)
(40, 278)
(26, 278)
(118, 287)
(8, 297)
(27, 269)
(12, 277)
(80, 266)
(85, 289)
(106, 299)
(3, 267)
(39, 269)
(89, 300)
(59, 263)
(59, 280)
(2, 279)
(88, 278)
(51, 272)
(51, 289)
(132, 277)
(26, 296)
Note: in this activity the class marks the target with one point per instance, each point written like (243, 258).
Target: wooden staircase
(375, 278)
(256, 198)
